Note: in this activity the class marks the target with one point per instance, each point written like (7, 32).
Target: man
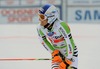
(56, 37)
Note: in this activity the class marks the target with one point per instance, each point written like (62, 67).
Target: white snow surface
(21, 41)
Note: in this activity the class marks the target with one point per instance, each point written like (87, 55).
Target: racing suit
(60, 38)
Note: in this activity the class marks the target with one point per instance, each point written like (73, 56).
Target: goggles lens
(42, 16)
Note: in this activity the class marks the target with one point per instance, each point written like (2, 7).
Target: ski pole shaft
(19, 59)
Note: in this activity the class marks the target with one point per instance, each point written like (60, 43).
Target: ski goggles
(42, 16)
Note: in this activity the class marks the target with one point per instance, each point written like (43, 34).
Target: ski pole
(19, 59)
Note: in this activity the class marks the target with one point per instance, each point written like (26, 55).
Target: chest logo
(50, 33)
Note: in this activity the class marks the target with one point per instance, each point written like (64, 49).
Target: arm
(44, 41)
(65, 31)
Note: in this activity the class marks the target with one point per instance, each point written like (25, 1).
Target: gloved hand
(58, 57)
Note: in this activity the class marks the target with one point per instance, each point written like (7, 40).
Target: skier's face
(42, 20)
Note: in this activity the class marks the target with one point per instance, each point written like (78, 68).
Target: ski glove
(58, 57)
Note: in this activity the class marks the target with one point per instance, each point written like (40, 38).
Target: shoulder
(39, 30)
(64, 27)
(39, 27)
(63, 24)
(59, 23)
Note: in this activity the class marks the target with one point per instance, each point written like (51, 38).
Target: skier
(56, 37)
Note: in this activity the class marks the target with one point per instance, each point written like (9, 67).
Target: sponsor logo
(56, 37)
(87, 15)
(70, 50)
(50, 33)
(63, 32)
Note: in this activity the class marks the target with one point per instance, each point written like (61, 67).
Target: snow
(21, 41)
